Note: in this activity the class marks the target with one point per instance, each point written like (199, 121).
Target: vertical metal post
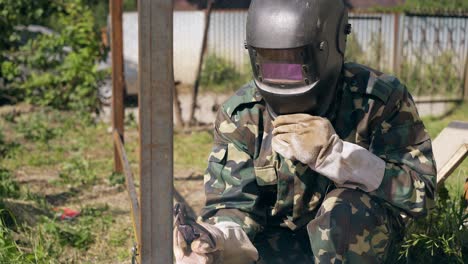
(156, 86)
(396, 44)
(115, 7)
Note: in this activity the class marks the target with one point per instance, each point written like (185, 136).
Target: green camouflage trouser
(348, 228)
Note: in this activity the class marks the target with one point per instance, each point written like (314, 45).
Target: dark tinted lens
(282, 72)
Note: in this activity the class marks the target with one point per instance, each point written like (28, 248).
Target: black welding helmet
(296, 49)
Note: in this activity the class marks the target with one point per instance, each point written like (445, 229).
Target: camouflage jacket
(248, 183)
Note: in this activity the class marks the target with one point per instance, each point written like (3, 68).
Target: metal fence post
(156, 84)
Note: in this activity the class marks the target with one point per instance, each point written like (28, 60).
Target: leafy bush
(440, 77)
(57, 69)
(372, 57)
(219, 75)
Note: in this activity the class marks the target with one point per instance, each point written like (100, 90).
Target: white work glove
(313, 141)
(227, 244)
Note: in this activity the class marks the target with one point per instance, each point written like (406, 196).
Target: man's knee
(348, 203)
(349, 225)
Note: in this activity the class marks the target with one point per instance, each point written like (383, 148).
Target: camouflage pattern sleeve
(400, 139)
(230, 189)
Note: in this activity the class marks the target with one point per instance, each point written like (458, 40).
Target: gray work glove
(313, 141)
(202, 243)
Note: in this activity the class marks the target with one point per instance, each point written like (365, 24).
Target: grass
(66, 160)
(191, 151)
(60, 159)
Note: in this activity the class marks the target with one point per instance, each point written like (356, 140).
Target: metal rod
(156, 87)
(196, 86)
(130, 184)
(116, 7)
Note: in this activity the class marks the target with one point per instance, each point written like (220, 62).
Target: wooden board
(116, 8)
(156, 86)
(450, 148)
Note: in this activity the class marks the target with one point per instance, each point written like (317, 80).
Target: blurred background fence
(427, 52)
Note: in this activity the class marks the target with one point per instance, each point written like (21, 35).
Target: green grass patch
(191, 151)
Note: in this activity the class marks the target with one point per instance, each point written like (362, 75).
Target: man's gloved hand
(313, 141)
(202, 243)
(205, 249)
(303, 137)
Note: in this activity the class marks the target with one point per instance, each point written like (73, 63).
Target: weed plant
(442, 237)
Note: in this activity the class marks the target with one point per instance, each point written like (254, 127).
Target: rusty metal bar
(156, 87)
(115, 7)
(130, 184)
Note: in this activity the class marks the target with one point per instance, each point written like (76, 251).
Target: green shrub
(440, 78)
(57, 69)
(371, 57)
(221, 76)
(437, 78)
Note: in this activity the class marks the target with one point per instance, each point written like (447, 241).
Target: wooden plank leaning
(450, 148)
(116, 9)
